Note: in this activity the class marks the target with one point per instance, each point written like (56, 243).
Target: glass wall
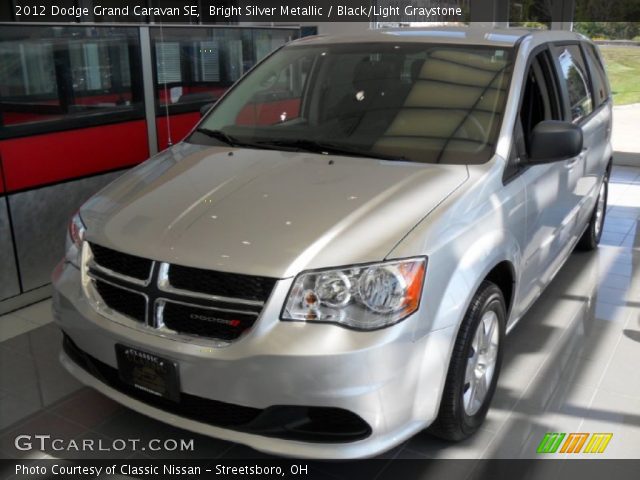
(55, 78)
(196, 66)
(53, 75)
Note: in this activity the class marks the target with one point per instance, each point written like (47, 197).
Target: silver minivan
(329, 263)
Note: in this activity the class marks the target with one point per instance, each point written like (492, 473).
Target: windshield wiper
(218, 135)
(232, 141)
(329, 147)
(298, 144)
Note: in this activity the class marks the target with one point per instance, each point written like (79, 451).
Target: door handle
(572, 162)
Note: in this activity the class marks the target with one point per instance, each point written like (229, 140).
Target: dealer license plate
(148, 372)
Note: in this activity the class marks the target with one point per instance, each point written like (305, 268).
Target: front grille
(128, 303)
(290, 422)
(223, 284)
(122, 263)
(205, 322)
(185, 300)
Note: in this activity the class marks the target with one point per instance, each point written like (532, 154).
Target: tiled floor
(571, 365)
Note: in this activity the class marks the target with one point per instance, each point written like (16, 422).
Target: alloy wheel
(481, 363)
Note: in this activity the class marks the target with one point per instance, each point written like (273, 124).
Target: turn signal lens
(76, 230)
(75, 237)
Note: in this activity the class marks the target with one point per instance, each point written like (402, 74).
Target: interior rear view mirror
(553, 140)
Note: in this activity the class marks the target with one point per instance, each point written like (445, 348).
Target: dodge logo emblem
(206, 318)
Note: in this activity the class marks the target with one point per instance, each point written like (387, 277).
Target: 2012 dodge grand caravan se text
(330, 262)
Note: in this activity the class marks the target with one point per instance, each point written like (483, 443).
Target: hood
(265, 212)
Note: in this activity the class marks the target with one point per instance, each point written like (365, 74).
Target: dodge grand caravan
(329, 263)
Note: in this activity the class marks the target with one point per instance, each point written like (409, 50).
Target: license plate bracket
(148, 372)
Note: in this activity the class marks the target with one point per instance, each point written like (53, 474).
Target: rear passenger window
(598, 76)
(574, 74)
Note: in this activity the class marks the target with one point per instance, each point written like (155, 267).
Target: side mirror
(205, 108)
(553, 140)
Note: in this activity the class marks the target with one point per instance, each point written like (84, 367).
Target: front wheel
(475, 366)
(591, 236)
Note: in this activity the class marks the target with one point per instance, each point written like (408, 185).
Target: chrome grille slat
(207, 307)
(165, 286)
(138, 269)
(105, 309)
(112, 273)
(246, 288)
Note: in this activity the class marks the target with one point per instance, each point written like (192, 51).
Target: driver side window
(540, 101)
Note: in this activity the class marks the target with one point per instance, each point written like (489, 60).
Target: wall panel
(49, 158)
(40, 222)
(9, 285)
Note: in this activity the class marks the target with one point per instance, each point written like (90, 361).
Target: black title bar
(314, 11)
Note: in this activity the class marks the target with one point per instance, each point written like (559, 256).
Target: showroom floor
(570, 366)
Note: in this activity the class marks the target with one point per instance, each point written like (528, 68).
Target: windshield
(419, 102)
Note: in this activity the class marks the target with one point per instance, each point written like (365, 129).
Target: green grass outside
(623, 67)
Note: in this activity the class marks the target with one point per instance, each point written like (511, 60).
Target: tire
(460, 416)
(591, 236)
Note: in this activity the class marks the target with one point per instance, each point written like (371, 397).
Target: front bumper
(386, 378)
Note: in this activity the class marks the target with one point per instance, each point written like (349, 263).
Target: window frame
(555, 47)
(595, 64)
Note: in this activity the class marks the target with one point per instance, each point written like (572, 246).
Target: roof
(499, 37)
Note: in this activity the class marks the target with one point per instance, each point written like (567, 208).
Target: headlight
(364, 297)
(75, 237)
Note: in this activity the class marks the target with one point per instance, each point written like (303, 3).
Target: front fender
(456, 275)
(448, 304)
(479, 226)
(474, 230)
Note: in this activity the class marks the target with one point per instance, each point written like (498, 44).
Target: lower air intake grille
(131, 304)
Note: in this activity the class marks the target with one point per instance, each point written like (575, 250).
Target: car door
(586, 169)
(548, 187)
